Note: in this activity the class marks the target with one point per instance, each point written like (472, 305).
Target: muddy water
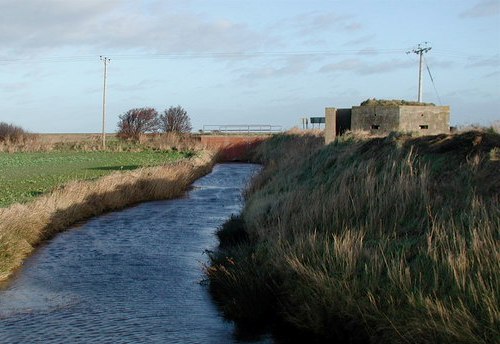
(130, 276)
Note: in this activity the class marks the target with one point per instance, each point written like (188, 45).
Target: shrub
(11, 133)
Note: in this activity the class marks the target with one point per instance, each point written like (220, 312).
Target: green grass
(24, 176)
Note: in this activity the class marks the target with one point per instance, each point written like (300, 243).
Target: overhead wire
(233, 54)
(200, 55)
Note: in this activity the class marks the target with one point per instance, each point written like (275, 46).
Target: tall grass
(24, 226)
(385, 240)
(91, 142)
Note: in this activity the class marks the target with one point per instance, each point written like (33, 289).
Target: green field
(24, 176)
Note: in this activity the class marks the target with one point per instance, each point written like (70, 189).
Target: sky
(241, 61)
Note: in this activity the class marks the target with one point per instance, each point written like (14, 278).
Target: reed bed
(376, 240)
(24, 226)
(93, 142)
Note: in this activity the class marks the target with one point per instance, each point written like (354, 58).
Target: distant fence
(242, 129)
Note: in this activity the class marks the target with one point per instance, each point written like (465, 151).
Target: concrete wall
(375, 119)
(427, 120)
(330, 124)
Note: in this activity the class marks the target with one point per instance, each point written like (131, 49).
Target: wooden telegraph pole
(105, 60)
(420, 50)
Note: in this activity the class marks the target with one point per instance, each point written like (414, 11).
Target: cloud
(34, 26)
(492, 61)
(314, 22)
(138, 86)
(360, 40)
(312, 25)
(368, 51)
(364, 68)
(435, 62)
(38, 24)
(292, 66)
(483, 8)
(492, 74)
(13, 87)
(341, 66)
(468, 93)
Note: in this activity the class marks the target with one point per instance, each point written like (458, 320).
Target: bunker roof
(393, 102)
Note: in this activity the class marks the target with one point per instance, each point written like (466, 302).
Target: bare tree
(136, 122)
(175, 119)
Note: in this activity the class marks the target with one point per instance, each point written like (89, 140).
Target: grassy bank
(25, 175)
(24, 226)
(384, 240)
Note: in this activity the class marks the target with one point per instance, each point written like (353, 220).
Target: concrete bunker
(383, 117)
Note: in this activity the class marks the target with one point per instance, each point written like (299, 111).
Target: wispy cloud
(492, 74)
(138, 86)
(315, 27)
(13, 87)
(491, 61)
(360, 40)
(341, 66)
(365, 68)
(368, 51)
(291, 66)
(314, 22)
(483, 8)
(466, 93)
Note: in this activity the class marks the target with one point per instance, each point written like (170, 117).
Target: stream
(131, 276)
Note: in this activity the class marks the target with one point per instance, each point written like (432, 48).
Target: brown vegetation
(393, 102)
(14, 135)
(23, 227)
(93, 142)
(369, 240)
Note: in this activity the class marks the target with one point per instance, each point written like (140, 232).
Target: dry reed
(24, 226)
(93, 142)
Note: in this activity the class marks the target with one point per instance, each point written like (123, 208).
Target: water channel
(130, 276)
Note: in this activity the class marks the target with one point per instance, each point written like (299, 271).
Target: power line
(234, 54)
(203, 55)
(53, 59)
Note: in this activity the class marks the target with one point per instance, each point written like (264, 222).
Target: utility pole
(420, 50)
(105, 60)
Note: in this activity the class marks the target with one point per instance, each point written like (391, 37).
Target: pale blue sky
(241, 62)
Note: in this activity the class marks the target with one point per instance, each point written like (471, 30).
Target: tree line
(139, 121)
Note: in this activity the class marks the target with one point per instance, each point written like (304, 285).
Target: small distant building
(383, 117)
